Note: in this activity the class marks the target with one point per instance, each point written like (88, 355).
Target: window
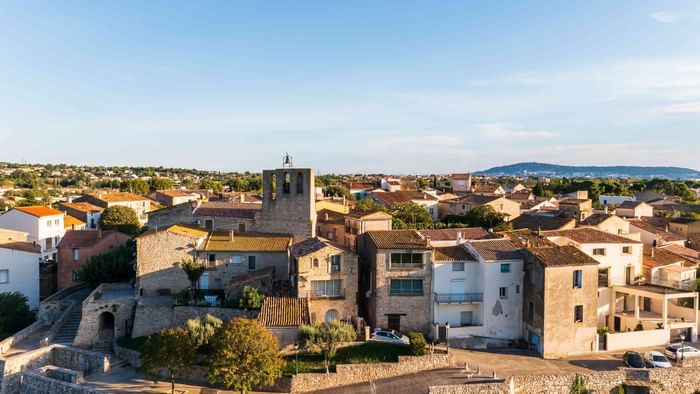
(314, 263)
(578, 279)
(578, 313)
(251, 263)
(406, 287)
(603, 277)
(300, 183)
(49, 223)
(393, 322)
(517, 289)
(626, 250)
(209, 224)
(530, 311)
(4, 276)
(503, 292)
(457, 266)
(326, 288)
(76, 276)
(335, 263)
(599, 252)
(406, 260)
(237, 259)
(76, 254)
(56, 222)
(287, 183)
(211, 259)
(505, 268)
(241, 227)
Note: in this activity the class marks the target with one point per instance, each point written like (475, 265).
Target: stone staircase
(66, 335)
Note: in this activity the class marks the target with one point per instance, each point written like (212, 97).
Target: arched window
(331, 314)
(287, 182)
(273, 185)
(300, 183)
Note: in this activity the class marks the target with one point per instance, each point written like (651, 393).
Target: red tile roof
(40, 211)
(451, 234)
(496, 249)
(398, 239)
(587, 235)
(284, 311)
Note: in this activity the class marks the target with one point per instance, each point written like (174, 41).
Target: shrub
(14, 313)
(203, 330)
(418, 344)
(251, 299)
(326, 337)
(639, 327)
(120, 218)
(110, 267)
(579, 385)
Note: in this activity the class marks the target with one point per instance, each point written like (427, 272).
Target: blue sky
(401, 87)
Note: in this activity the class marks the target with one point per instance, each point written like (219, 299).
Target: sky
(404, 87)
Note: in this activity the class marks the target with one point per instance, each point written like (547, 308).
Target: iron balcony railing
(458, 298)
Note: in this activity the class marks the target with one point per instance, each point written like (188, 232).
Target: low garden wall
(150, 319)
(19, 336)
(677, 380)
(631, 339)
(34, 382)
(357, 373)
(183, 313)
(130, 356)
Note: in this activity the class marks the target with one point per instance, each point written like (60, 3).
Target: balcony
(328, 293)
(458, 298)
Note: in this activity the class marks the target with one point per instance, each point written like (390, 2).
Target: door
(617, 322)
(204, 281)
(457, 290)
(628, 275)
(394, 322)
(208, 224)
(466, 318)
(647, 304)
(535, 343)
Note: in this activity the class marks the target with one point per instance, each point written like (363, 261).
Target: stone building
(461, 205)
(174, 197)
(395, 279)
(328, 277)
(107, 314)
(559, 306)
(343, 229)
(217, 215)
(88, 213)
(289, 207)
(576, 208)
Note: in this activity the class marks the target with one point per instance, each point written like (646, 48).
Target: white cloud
(685, 108)
(508, 131)
(665, 16)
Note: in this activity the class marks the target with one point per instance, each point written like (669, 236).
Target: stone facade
(158, 257)
(549, 300)
(315, 269)
(152, 317)
(291, 208)
(347, 374)
(108, 313)
(411, 312)
(222, 269)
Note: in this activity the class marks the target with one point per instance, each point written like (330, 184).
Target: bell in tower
(287, 161)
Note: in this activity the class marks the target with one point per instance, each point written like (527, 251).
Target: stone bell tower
(289, 201)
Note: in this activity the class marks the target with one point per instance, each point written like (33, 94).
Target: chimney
(459, 237)
(230, 235)
(427, 241)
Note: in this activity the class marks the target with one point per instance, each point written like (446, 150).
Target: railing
(458, 298)
(676, 284)
(337, 293)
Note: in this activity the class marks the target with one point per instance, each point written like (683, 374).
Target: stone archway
(105, 330)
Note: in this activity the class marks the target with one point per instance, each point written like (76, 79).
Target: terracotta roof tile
(452, 253)
(663, 235)
(451, 234)
(398, 239)
(496, 249)
(587, 235)
(245, 242)
(70, 221)
(541, 222)
(561, 256)
(21, 246)
(597, 218)
(393, 198)
(661, 257)
(82, 238)
(228, 209)
(40, 211)
(285, 311)
(82, 206)
(312, 245)
(118, 197)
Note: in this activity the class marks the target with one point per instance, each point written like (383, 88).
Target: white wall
(603, 199)
(633, 339)
(23, 270)
(38, 228)
(428, 205)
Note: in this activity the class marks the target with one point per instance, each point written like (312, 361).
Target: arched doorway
(106, 326)
(331, 314)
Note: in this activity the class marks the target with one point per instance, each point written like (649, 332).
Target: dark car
(633, 360)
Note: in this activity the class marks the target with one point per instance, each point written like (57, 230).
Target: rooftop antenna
(287, 161)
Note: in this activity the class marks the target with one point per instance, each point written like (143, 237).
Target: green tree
(482, 216)
(578, 386)
(136, 186)
(337, 190)
(326, 337)
(203, 330)
(14, 313)
(411, 215)
(159, 184)
(194, 270)
(370, 205)
(171, 349)
(417, 342)
(212, 185)
(112, 267)
(422, 183)
(244, 354)
(120, 218)
(252, 298)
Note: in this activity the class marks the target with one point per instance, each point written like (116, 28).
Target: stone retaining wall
(130, 356)
(676, 380)
(19, 336)
(152, 318)
(357, 373)
(183, 313)
(36, 383)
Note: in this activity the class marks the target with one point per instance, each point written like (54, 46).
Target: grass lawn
(368, 352)
(132, 343)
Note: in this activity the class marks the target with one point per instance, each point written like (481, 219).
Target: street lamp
(447, 337)
(681, 349)
(296, 358)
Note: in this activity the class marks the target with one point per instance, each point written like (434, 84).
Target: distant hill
(554, 170)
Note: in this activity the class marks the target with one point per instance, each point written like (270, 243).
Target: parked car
(633, 360)
(656, 359)
(675, 352)
(380, 335)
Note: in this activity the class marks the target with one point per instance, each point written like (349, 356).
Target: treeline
(597, 187)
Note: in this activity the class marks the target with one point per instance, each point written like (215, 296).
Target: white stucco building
(19, 270)
(43, 224)
(478, 290)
